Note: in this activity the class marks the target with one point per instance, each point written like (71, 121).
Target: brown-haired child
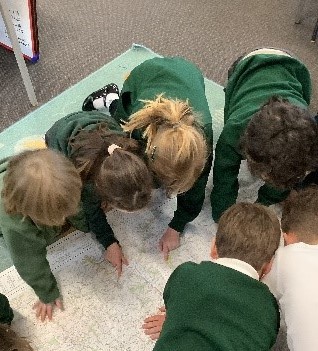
(9, 340)
(266, 122)
(163, 102)
(222, 304)
(39, 190)
(293, 278)
(112, 169)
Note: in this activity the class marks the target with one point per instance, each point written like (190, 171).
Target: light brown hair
(300, 214)
(43, 185)
(176, 147)
(248, 232)
(10, 341)
(122, 179)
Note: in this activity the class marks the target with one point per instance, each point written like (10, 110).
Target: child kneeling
(222, 305)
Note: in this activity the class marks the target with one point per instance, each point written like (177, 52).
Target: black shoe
(101, 93)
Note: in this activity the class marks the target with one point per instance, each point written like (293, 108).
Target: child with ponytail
(163, 103)
(113, 173)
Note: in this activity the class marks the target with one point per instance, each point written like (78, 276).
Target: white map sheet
(101, 312)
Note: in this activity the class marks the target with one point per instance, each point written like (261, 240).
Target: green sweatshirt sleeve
(226, 168)
(27, 246)
(96, 217)
(267, 195)
(6, 313)
(190, 203)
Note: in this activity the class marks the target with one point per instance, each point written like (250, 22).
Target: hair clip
(152, 155)
(112, 147)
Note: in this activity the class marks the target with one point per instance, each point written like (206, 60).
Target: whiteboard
(23, 16)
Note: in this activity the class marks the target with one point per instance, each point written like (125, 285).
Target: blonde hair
(176, 146)
(300, 214)
(248, 232)
(43, 185)
(121, 177)
(10, 341)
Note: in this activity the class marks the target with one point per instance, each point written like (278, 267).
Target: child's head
(176, 146)
(10, 341)
(42, 185)
(248, 232)
(280, 143)
(112, 162)
(299, 216)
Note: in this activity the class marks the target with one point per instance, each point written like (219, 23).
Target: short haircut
(122, 178)
(300, 216)
(10, 341)
(280, 143)
(248, 232)
(42, 185)
(176, 146)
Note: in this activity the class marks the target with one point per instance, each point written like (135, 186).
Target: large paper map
(101, 312)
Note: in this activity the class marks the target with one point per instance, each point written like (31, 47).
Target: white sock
(110, 98)
(99, 103)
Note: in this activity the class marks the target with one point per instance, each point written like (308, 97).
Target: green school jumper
(213, 307)
(180, 79)
(6, 313)
(254, 80)
(27, 244)
(57, 138)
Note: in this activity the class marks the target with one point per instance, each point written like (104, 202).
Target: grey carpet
(76, 38)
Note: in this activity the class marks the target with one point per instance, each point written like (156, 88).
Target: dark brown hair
(122, 178)
(280, 143)
(300, 214)
(248, 232)
(10, 341)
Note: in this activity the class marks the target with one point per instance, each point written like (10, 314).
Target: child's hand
(153, 325)
(169, 241)
(44, 310)
(115, 256)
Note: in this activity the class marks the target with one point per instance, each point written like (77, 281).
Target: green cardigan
(213, 307)
(178, 78)
(57, 138)
(253, 82)
(6, 313)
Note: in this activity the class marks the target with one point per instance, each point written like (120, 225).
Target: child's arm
(27, 246)
(153, 324)
(226, 168)
(98, 225)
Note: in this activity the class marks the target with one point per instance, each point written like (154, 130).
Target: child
(113, 172)
(222, 305)
(293, 276)
(9, 341)
(40, 189)
(278, 135)
(163, 102)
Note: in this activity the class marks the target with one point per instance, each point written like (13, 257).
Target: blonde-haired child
(163, 102)
(112, 169)
(222, 305)
(40, 189)
(293, 278)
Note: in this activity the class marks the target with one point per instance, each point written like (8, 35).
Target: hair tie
(112, 147)
(176, 125)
